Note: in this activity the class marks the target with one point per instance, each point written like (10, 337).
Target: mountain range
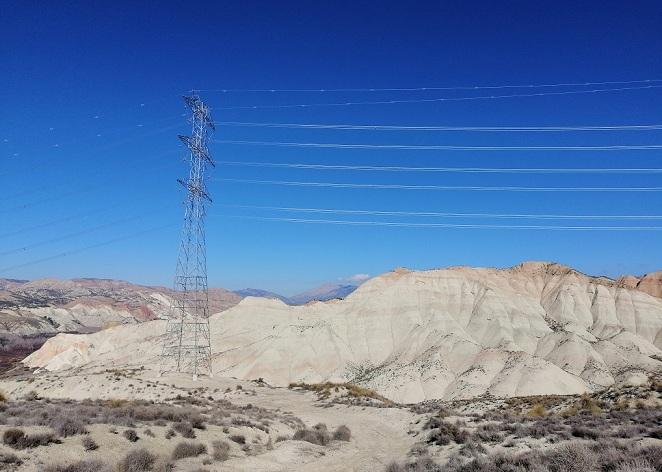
(87, 304)
(461, 332)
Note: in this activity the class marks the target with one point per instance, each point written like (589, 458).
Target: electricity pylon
(187, 345)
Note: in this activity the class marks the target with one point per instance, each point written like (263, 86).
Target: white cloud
(358, 278)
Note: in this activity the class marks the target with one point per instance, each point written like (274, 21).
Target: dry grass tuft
(131, 435)
(81, 466)
(89, 444)
(220, 450)
(188, 449)
(138, 460)
(342, 433)
(537, 411)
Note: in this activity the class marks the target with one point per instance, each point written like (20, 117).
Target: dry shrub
(220, 450)
(325, 389)
(635, 465)
(188, 449)
(163, 465)
(81, 466)
(572, 457)
(342, 433)
(538, 410)
(185, 429)
(131, 435)
(138, 460)
(89, 444)
(318, 435)
(238, 438)
(11, 437)
(17, 439)
(443, 433)
(589, 404)
(395, 467)
(66, 427)
(116, 402)
(9, 458)
(472, 449)
(586, 433)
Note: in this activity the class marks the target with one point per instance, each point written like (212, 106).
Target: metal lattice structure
(187, 345)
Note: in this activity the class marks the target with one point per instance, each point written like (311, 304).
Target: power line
(442, 187)
(438, 99)
(435, 147)
(649, 127)
(53, 222)
(72, 235)
(424, 89)
(85, 248)
(450, 225)
(495, 170)
(452, 215)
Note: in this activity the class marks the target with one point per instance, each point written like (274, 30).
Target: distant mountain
(82, 305)
(256, 292)
(322, 293)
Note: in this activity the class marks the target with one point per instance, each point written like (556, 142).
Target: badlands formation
(536, 328)
(82, 305)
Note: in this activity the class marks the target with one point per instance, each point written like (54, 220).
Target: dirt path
(379, 435)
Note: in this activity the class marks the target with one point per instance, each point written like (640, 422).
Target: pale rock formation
(536, 328)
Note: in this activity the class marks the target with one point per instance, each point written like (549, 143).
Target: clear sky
(91, 110)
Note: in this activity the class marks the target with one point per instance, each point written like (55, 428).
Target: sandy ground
(379, 435)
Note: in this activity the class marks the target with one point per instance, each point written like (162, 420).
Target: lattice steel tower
(186, 345)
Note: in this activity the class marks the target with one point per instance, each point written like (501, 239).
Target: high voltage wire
(85, 248)
(446, 214)
(423, 89)
(449, 225)
(442, 187)
(53, 222)
(438, 99)
(435, 147)
(86, 189)
(648, 127)
(495, 170)
(71, 235)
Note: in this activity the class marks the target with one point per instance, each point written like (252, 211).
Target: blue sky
(89, 154)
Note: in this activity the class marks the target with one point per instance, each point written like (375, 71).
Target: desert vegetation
(617, 430)
(156, 436)
(344, 393)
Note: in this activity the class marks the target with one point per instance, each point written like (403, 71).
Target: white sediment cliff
(536, 328)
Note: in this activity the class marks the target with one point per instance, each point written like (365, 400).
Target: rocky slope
(536, 328)
(83, 305)
(649, 283)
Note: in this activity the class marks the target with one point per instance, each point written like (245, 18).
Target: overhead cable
(424, 89)
(443, 147)
(85, 248)
(531, 216)
(438, 99)
(441, 187)
(376, 127)
(449, 225)
(495, 170)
